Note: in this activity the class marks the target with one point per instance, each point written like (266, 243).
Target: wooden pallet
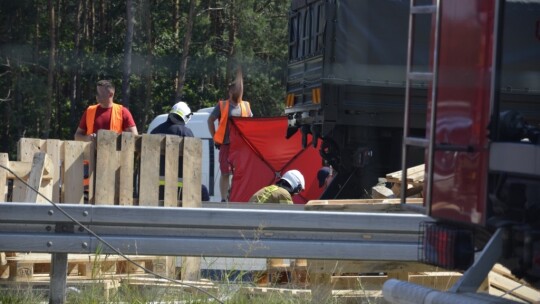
(185, 285)
(35, 266)
(415, 181)
(380, 205)
(502, 283)
(57, 168)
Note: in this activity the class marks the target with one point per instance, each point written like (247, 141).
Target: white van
(210, 155)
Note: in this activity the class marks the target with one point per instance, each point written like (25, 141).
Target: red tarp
(260, 154)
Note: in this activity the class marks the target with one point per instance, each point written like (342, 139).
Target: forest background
(52, 53)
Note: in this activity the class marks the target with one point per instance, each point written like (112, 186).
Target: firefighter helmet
(295, 180)
(182, 109)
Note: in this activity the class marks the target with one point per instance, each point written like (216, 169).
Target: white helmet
(295, 179)
(182, 109)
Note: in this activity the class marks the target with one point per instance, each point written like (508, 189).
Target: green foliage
(259, 46)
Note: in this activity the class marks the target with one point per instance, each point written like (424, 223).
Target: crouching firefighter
(291, 183)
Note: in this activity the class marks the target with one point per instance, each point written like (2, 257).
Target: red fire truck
(454, 84)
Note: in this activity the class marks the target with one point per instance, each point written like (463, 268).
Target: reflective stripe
(267, 193)
(162, 182)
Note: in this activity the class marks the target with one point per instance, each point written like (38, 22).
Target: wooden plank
(75, 258)
(332, 266)
(412, 189)
(192, 156)
(191, 196)
(367, 205)
(172, 157)
(512, 287)
(395, 177)
(358, 282)
(435, 280)
(381, 191)
(149, 182)
(26, 148)
(505, 295)
(34, 180)
(127, 160)
(55, 152)
(106, 167)
(22, 170)
(90, 157)
(20, 271)
(46, 187)
(416, 177)
(74, 172)
(4, 162)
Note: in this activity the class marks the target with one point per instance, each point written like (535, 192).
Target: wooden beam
(36, 174)
(150, 154)
(74, 172)
(4, 161)
(363, 205)
(172, 159)
(106, 167)
(127, 170)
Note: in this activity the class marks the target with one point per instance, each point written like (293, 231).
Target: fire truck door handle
(454, 148)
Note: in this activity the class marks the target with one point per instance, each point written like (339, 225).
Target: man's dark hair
(106, 83)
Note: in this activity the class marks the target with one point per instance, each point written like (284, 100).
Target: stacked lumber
(27, 267)
(414, 184)
(380, 205)
(503, 284)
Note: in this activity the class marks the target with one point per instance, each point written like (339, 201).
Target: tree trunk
(50, 76)
(75, 94)
(233, 29)
(176, 28)
(185, 49)
(148, 70)
(127, 53)
(176, 19)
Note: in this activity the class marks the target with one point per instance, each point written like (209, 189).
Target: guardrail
(210, 232)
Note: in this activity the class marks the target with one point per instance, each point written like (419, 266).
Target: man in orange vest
(234, 106)
(105, 115)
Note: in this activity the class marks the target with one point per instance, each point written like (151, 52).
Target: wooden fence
(123, 170)
(120, 170)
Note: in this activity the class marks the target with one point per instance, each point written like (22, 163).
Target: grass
(227, 290)
(22, 296)
(231, 287)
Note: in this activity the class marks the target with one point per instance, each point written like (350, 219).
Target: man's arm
(211, 126)
(240, 83)
(80, 135)
(132, 130)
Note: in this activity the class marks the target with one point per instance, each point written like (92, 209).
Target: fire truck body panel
(464, 87)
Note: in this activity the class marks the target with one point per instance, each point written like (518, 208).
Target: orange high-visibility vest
(245, 109)
(116, 118)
